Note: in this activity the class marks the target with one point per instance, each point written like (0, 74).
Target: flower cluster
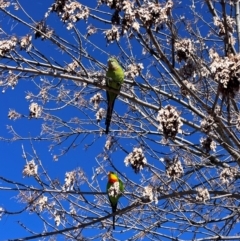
(136, 159)
(42, 31)
(170, 121)
(4, 3)
(226, 71)
(207, 124)
(74, 12)
(153, 14)
(57, 219)
(134, 70)
(114, 190)
(231, 23)
(58, 6)
(149, 195)
(112, 34)
(109, 143)
(208, 144)
(100, 114)
(35, 110)
(128, 20)
(228, 174)
(91, 30)
(113, 4)
(30, 169)
(150, 14)
(202, 194)
(174, 168)
(70, 178)
(95, 100)
(189, 86)
(69, 11)
(7, 45)
(25, 43)
(58, 216)
(72, 66)
(44, 94)
(148, 192)
(12, 79)
(184, 49)
(42, 203)
(13, 115)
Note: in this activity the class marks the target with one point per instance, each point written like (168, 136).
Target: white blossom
(91, 30)
(148, 192)
(7, 45)
(72, 66)
(202, 194)
(128, 20)
(207, 123)
(4, 3)
(190, 86)
(170, 121)
(136, 26)
(100, 114)
(151, 13)
(112, 34)
(226, 71)
(30, 169)
(184, 49)
(208, 144)
(42, 203)
(25, 43)
(174, 168)
(70, 178)
(228, 174)
(136, 159)
(44, 94)
(13, 115)
(16, 6)
(230, 22)
(69, 11)
(57, 219)
(133, 70)
(109, 143)
(95, 100)
(35, 110)
(12, 79)
(73, 211)
(42, 30)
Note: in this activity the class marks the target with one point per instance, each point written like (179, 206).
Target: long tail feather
(114, 209)
(109, 115)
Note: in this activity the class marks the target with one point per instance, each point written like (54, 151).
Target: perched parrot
(115, 189)
(115, 79)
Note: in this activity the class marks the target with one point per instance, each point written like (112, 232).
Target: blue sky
(11, 159)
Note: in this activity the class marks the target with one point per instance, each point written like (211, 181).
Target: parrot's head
(112, 177)
(113, 63)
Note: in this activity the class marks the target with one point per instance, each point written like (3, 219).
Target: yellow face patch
(112, 177)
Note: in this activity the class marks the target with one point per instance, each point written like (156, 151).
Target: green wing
(121, 186)
(115, 79)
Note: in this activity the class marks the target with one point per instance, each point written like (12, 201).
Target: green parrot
(115, 189)
(115, 79)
